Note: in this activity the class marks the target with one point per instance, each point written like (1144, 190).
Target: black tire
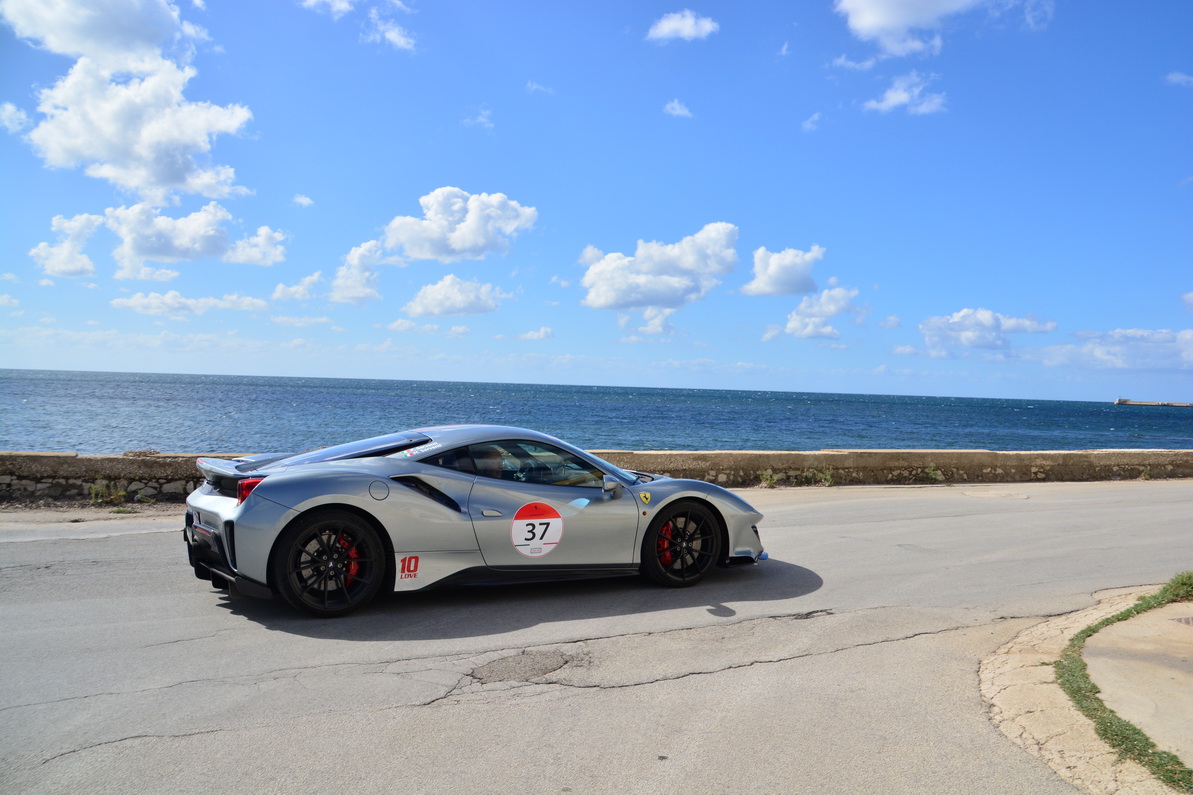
(329, 564)
(682, 545)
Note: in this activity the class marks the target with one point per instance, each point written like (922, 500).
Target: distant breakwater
(147, 475)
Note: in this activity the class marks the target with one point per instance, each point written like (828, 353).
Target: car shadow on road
(476, 611)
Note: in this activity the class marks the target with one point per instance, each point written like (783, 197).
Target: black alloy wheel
(329, 564)
(682, 545)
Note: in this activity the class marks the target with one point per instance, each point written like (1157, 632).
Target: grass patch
(1073, 677)
(104, 493)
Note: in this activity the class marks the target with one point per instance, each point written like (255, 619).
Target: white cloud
(299, 322)
(810, 318)
(660, 277)
(677, 108)
(337, 8)
(784, 272)
(890, 322)
(784, 51)
(458, 225)
(8, 301)
(901, 27)
(13, 118)
(173, 305)
(534, 88)
(120, 112)
(1187, 299)
(453, 296)
(356, 279)
(977, 328)
(1121, 349)
(811, 123)
(146, 235)
(859, 66)
(544, 333)
(385, 30)
(300, 291)
(302, 201)
(682, 25)
(482, 119)
(1180, 79)
(908, 91)
(110, 32)
(67, 258)
(265, 248)
(136, 130)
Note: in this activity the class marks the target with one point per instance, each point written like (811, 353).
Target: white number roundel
(537, 529)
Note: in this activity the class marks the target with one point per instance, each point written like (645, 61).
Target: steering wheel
(524, 471)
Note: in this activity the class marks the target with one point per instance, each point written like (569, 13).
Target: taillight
(245, 487)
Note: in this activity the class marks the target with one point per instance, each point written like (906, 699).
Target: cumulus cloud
(356, 279)
(682, 25)
(459, 225)
(66, 258)
(13, 118)
(785, 272)
(147, 235)
(137, 133)
(660, 277)
(264, 248)
(811, 123)
(908, 91)
(977, 328)
(1187, 299)
(8, 302)
(174, 306)
(302, 201)
(1180, 79)
(810, 318)
(544, 333)
(858, 66)
(677, 108)
(119, 113)
(901, 28)
(453, 296)
(297, 292)
(110, 32)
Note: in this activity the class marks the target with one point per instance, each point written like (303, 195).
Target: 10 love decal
(537, 529)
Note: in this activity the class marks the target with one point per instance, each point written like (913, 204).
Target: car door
(537, 505)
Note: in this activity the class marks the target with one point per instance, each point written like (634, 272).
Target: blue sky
(943, 197)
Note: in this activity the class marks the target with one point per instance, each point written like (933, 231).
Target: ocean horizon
(113, 412)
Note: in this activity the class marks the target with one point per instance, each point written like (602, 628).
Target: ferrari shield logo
(645, 495)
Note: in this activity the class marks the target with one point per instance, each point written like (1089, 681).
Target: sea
(105, 412)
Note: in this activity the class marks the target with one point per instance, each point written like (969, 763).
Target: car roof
(459, 435)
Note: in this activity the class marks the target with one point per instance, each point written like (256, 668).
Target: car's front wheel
(682, 545)
(329, 563)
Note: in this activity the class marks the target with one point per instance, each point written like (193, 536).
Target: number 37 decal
(537, 529)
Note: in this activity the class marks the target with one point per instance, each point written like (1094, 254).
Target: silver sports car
(332, 528)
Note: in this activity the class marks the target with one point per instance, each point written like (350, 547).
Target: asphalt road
(846, 663)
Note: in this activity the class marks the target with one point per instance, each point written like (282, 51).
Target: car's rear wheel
(682, 545)
(329, 563)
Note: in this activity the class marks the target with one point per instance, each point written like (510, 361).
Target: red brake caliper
(353, 568)
(663, 547)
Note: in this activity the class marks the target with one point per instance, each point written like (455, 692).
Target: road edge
(1019, 688)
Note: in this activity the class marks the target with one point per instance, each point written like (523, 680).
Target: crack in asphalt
(117, 741)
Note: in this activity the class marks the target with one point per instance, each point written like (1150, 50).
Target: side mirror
(612, 486)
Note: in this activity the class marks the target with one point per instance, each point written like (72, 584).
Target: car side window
(458, 459)
(535, 462)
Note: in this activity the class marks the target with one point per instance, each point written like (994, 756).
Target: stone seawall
(170, 477)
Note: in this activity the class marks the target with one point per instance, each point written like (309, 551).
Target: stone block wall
(170, 477)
